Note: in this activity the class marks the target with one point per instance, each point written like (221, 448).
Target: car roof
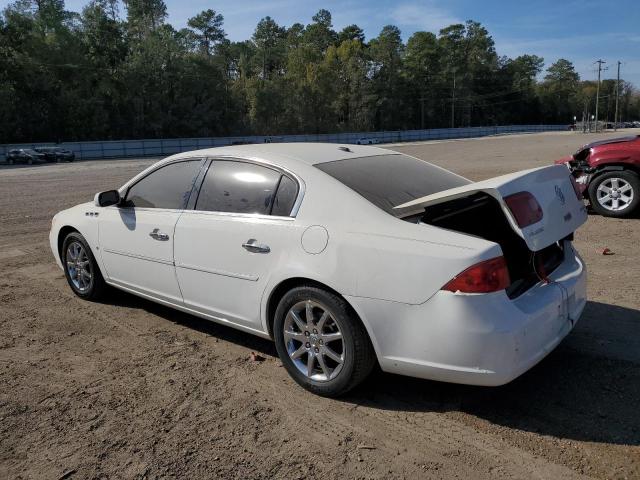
(291, 153)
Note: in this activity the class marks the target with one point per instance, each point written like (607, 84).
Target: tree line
(104, 74)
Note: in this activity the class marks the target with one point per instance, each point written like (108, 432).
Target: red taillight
(525, 208)
(484, 277)
(576, 188)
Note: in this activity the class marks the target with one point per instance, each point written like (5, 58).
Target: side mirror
(104, 199)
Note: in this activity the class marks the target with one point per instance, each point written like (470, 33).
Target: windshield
(30, 152)
(391, 180)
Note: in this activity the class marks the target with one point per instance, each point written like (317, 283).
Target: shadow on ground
(588, 389)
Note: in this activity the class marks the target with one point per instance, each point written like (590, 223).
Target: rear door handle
(156, 234)
(252, 245)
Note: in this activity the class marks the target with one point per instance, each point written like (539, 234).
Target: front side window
(168, 187)
(241, 187)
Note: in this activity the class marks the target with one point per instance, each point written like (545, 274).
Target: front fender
(82, 218)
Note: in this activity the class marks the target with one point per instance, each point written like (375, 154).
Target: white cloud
(424, 15)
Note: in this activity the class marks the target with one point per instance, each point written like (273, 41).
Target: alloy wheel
(615, 194)
(314, 341)
(79, 267)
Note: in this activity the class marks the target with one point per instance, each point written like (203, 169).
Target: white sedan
(345, 256)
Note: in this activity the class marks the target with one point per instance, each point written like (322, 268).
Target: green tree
(208, 31)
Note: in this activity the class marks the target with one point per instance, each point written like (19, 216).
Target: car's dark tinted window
(391, 180)
(238, 187)
(167, 187)
(285, 197)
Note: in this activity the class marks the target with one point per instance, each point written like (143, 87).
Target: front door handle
(156, 234)
(252, 245)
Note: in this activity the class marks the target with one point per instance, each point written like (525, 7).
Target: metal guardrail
(164, 147)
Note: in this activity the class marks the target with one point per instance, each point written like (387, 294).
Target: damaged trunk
(480, 214)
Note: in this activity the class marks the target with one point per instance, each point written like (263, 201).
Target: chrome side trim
(139, 257)
(241, 276)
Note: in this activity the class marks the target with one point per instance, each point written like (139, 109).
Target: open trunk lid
(562, 211)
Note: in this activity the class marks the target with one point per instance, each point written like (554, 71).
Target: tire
(29, 161)
(623, 183)
(88, 288)
(10, 161)
(329, 377)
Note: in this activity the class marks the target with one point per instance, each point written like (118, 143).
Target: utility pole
(422, 113)
(599, 62)
(453, 101)
(615, 116)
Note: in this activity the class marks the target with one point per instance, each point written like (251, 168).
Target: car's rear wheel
(80, 268)
(321, 341)
(29, 161)
(615, 193)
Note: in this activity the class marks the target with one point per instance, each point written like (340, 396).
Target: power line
(599, 62)
(615, 117)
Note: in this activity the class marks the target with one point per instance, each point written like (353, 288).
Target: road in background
(130, 389)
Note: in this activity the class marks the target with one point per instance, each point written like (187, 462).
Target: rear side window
(168, 187)
(238, 187)
(391, 180)
(285, 197)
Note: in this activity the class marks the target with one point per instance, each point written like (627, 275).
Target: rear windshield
(391, 180)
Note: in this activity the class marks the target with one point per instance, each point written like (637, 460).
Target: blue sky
(579, 30)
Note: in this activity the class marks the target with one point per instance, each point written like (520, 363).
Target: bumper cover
(477, 339)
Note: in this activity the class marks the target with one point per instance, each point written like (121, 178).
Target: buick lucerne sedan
(345, 256)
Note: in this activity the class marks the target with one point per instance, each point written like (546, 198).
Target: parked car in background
(367, 141)
(57, 154)
(347, 257)
(25, 155)
(608, 174)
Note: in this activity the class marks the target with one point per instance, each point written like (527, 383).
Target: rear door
(137, 238)
(226, 248)
(562, 211)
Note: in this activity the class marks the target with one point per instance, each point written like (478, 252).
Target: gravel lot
(129, 389)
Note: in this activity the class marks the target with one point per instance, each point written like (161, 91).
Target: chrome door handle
(156, 234)
(252, 245)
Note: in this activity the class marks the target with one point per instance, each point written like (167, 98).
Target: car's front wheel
(80, 268)
(615, 193)
(321, 341)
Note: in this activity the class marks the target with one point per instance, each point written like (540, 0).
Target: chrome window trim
(208, 160)
(263, 163)
(124, 189)
(240, 215)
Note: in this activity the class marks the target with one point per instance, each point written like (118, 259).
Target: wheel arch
(616, 167)
(286, 285)
(62, 234)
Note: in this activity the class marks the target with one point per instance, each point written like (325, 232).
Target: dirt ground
(130, 389)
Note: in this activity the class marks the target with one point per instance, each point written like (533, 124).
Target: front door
(137, 237)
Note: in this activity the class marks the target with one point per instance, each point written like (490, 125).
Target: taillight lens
(525, 208)
(576, 188)
(484, 277)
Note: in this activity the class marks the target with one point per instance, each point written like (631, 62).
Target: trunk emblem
(560, 195)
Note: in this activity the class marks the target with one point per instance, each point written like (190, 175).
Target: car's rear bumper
(483, 339)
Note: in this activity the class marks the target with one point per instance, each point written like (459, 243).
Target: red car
(608, 174)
